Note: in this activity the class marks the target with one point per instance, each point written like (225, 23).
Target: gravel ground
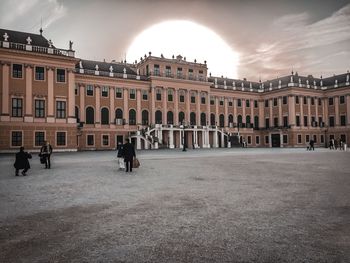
(222, 205)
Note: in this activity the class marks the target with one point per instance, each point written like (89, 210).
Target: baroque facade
(49, 94)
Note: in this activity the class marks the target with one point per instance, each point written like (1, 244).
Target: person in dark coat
(22, 161)
(129, 154)
(120, 155)
(45, 152)
(312, 145)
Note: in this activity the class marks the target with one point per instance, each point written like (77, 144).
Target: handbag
(42, 159)
(136, 163)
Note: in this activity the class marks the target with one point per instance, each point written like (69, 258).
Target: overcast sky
(271, 37)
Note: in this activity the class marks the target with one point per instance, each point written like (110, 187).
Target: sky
(271, 38)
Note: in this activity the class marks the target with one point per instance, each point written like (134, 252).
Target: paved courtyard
(217, 205)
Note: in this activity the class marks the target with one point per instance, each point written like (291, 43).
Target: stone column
(216, 111)
(50, 95)
(188, 109)
(153, 106)
(280, 117)
(138, 140)
(281, 140)
(28, 116)
(138, 107)
(325, 111)
(71, 97)
(316, 110)
(111, 106)
(215, 139)
(271, 112)
(226, 112)
(336, 109)
(291, 110)
(222, 140)
(252, 112)
(195, 138)
(5, 96)
(171, 139)
(165, 108)
(176, 113)
(82, 102)
(126, 105)
(235, 110)
(301, 102)
(208, 108)
(261, 114)
(98, 105)
(243, 111)
(198, 108)
(348, 110)
(181, 139)
(309, 111)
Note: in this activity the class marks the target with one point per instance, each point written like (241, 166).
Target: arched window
(119, 116)
(158, 117)
(247, 119)
(230, 119)
(181, 116)
(203, 119)
(104, 116)
(144, 117)
(132, 117)
(239, 119)
(256, 121)
(222, 120)
(212, 119)
(170, 117)
(77, 114)
(90, 115)
(193, 118)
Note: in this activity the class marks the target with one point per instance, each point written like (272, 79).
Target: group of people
(22, 158)
(126, 154)
(335, 144)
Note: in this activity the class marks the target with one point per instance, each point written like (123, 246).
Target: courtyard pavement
(215, 205)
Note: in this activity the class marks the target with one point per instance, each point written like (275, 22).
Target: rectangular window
(307, 138)
(193, 98)
(170, 95)
(342, 120)
(230, 103)
(313, 121)
(275, 102)
(285, 121)
(255, 103)
(267, 123)
(267, 141)
(299, 138)
(17, 71)
(305, 120)
(182, 97)
(315, 138)
(275, 122)
(312, 101)
(89, 90)
(266, 103)
(179, 72)
(90, 140)
(331, 121)
(118, 93)
(320, 122)
(159, 94)
(105, 140)
(203, 99)
(168, 71)
(322, 138)
(249, 139)
(132, 94)
(247, 103)
(144, 95)
(156, 71)
(39, 108)
(221, 102)
(17, 107)
(239, 103)
(76, 88)
(319, 102)
(104, 92)
(285, 139)
(342, 99)
(61, 138)
(305, 100)
(297, 120)
(39, 73)
(330, 101)
(284, 100)
(61, 75)
(190, 73)
(257, 139)
(39, 138)
(16, 138)
(296, 99)
(60, 109)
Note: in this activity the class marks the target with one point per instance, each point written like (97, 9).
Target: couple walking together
(126, 154)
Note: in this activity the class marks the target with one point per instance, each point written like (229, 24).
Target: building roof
(105, 66)
(20, 37)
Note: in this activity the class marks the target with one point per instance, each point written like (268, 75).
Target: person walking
(331, 144)
(120, 155)
(312, 143)
(129, 154)
(22, 162)
(45, 152)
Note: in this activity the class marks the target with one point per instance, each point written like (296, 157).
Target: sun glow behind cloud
(190, 40)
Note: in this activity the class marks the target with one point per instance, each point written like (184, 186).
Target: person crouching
(22, 161)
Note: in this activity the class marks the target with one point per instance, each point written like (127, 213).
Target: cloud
(295, 42)
(27, 14)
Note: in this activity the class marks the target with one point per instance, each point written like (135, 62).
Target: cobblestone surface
(222, 205)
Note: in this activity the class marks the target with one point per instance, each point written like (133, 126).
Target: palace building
(76, 104)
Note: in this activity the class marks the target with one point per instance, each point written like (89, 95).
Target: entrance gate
(276, 140)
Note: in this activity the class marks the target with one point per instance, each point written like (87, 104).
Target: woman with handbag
(120, 156)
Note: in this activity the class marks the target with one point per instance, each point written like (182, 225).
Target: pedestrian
(129, 154)
(312, 143)
(336, 144)
(331, 144)
(22, 162)
(45, 152)
(120, 156)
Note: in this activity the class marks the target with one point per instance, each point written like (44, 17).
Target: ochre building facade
(75, 104)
